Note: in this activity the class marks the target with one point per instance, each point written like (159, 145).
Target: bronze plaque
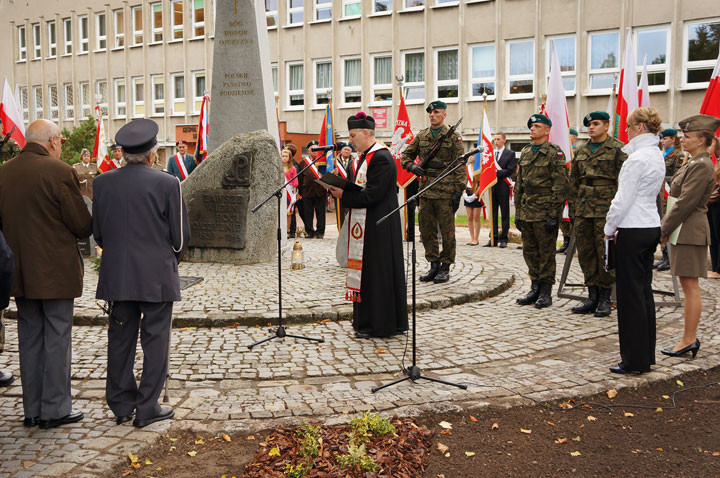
(220, 220)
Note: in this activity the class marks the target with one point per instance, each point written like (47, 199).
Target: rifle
(436, 146)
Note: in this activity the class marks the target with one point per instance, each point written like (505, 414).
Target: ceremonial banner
(402, 135)
(203, 132)
(326, 137)
(711, 102)
(100, 153)
(644, 89)
(484, 166)
(556, 110)
(627, 100)
(11, 116)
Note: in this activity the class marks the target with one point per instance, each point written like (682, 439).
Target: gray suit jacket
(139, 217)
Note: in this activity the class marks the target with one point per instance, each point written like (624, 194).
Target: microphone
(329, 147)
(473, 152)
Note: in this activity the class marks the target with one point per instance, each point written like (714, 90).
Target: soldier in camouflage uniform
(540, 194)
(593, 184)
(439, 204)
(673, 160)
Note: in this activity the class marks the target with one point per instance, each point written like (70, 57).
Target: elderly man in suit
(141, 223)
(505, 159)
(43, 216)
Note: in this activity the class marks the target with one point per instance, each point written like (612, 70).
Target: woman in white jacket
(633, 221)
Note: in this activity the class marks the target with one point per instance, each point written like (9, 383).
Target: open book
(330, 179)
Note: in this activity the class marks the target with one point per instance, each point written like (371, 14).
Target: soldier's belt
(435, 165)
(598, 182)
(537, 190)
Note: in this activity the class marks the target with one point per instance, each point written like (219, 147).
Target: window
(271, 13)
(413, 3)
(100, 32)
(352, 81)
(138, 96)
(84, 34)
(158, 95)
(414, 73)
(700, 52)
(198, 18)
(37, 103)
(655, 43)
(67, 32)
(156, 21)
(274, 68)
(120, 98)
(323, 82)
(137, 25)
(53, 102)
(382, 76)
(482, 70)
(22, 44)
(178, 30)
(323, 9)
(446, 2)
(85, 109)
(447, 77)
(119, 27)
(24, 104)
(295, 12)
(68, 105)
(566, 56)
(295, 86)
(37, 48)
(604, 48)
(198, 91)
(521, 68)
(52, 40)
(178, 93)
(382, 6)
(352, 8)
(101, 96)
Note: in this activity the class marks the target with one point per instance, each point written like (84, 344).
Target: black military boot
(443, 274)
(664, 262)
(565, 244)
(603, 307)
(430, 275)
(531, 296)
(544, 299)
(590, 304)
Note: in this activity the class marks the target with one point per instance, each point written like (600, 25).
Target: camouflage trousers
(434, 215)
(590, 241)
(539, 251)
(565, 227)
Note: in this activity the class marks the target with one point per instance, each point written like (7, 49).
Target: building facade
(154, 59)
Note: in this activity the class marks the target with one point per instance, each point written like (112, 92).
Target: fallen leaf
(469, 453)
(199, 441)
(148, 462)
(527, 432)
(612, 393)
(128, 472)
(446, 432)
(442, 448)
(666, 397)
(380, 350)
(133, 458)
(679, 383)
(136, 465)
(629, 415)
(658, 449)
(550, 423)
(447, 455)
(494, 426)
(172, 439)
(251, 437)
(658, 410)
(172, 448)
(445, 425)
(275, 451)
(716, 453)
(577, 439)
(192, 453)
(575, 453)
(560, 441)
(472, 418)
(587, 406)
(591, 418)
(226, 437)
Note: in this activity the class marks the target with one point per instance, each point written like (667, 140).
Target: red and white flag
(711, 102)
(627, 100)
(644, 89)
(100, 152)
(11, 116)
(484, 167)
(402, 135)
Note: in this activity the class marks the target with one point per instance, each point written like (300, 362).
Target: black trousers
(635, 304)
(713, 216)
(316, 207)
(501, 201)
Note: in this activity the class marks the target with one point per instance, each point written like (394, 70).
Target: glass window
(295, 11)
(138, 95)
(101, 96)
(176, 7)
(482, 70)
(37, 47)
(198, 91)
(120, 98)
(604, 59)
(100, 32)
(68, 101)
(158, 95)
(274, 69)
(382, 6)
(137, 25)
(566, 56)
(37, 102)
(414, 72)
(198, 18)
(323, 81)
(85, 100)
(700, 53)
(271, 13)
(178, 93)
(352, 8)
(382, 76)
(53, 102)
(157, 22)
(84, 34)
(22, 44)
(521, 68)
(52, 40)
(24, 103)
(323, 9)
(413, 3)
(295, 86)
(653, 43)
(119, 27)
(447, 80)
(67, 29)
(352, 81)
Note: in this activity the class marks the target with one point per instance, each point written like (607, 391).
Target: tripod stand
(413, 372)
(280, 331)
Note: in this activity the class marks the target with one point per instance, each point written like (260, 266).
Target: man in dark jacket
(43, 216)
(140, 221)
(314, 198)
(506, 162)
(7, 268)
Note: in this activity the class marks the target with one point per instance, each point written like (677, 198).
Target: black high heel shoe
(694, 347)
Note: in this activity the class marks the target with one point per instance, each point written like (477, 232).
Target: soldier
(117, 153)
(540, 193)
(593, 184)
(86, 171)
(673, 160)
(566, 226)
(439, 204)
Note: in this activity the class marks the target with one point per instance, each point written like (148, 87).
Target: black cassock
(383, 308)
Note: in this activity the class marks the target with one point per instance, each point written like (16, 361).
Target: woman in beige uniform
(691, 186)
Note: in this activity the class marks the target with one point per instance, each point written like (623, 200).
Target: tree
(81, 137)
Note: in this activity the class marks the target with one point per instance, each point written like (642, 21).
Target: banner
(402, 135)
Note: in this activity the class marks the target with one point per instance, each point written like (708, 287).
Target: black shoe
(664, 260)
(590, 304)
(320, 236)
(6, 379)
(620, 368)
(565, 244)
(74, 416)
(443, 274)
(123, 419)
(291, 235)
(430, 275)
(362, 335)
(309, 235)
(693, 348)
(664, 264)
(544, 299)
(603, 306)
(503, 244)
(489, 244)
(31, 422)
(531, 296)
(165, 413)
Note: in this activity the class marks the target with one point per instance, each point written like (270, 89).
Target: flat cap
(311, 144)
(574, 131)
(595, 115)
(699, 123)
(361, 121)
(340, 146)
(115, 146)
(436, 105)
(538, 118)
(668, 132)
(138, 136)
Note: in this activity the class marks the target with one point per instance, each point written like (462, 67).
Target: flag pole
(400, 81)
(490, 207)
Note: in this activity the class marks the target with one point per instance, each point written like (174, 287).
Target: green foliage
(95, 261)
(357, 455)
(81, 137)
(296, 471)
(309, 442)
(368, 425)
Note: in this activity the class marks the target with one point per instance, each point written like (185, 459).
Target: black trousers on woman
(635, 304)
(713, 216)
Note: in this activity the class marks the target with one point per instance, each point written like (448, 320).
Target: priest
(375, 275)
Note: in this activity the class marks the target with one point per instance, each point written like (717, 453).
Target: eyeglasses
(62, 140)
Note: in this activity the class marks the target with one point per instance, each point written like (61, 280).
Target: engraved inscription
(221, 219)
(239, 174)
(236, 83)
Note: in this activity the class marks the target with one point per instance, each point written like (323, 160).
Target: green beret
(574, 131)
(538, 118)
(595, 115)
(668, 132)
(699, 123)
(436, 105)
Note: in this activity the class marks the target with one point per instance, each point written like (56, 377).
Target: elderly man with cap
(181, 164)
(593, 184)
(376, 273)
(140, 221)
(566, 226)
(43, 215)
(673, 153)
(540, 194)
(439, 204)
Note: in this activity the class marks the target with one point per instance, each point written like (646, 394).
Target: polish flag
(100, 152)
(711, 102)
(644, 89)
(11, 116)
(484, 165)
(402, 135)
(627, 100)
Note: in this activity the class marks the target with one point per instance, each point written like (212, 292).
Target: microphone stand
(413, 373)
(280, 331)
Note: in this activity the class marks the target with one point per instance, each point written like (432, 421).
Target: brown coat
(42, 214)
(692, 185)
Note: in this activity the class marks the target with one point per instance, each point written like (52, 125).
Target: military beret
(361, 121)
(436, 105)
(178, 143)
(538, 118)
(668, 132)
(595, 115)
(138, 136)
(340, 146)
(699, 123)
(574, 131)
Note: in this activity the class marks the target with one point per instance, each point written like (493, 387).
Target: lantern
(298, 257)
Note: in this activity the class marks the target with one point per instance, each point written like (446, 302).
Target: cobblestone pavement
(218, 384)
